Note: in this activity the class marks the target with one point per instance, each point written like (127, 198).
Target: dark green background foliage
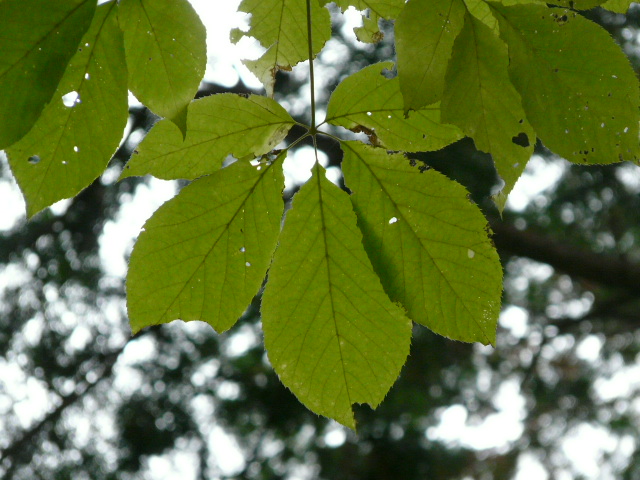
(571, 262)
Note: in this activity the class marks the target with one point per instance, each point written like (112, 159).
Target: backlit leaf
(281, 27)
(219, 125)
(331, 333)
(388, 9)
(578, 89)
(166, 54)
(480, 99)
(427, 242)
(367, 101)
(425, 31)
(618, 6)
(36, 43)
(204, 254)
(78, 132)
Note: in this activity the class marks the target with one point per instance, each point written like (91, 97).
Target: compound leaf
(78, 132)
(332, 334)
(583, 99)
(281, 27)
(204, 254)
(166, 54)
(219, 125)
(425, 32)
(367, 101)
(480, 99)
(36, 43)
(427, 242)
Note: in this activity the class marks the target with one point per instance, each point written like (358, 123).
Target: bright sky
(225, 67)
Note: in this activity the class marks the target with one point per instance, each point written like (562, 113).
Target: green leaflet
(281, 27)
(331, 333)
(480, 99)
(618, 6)
(218, 125)
(388, 9)
(367, 101)
(166, 54)
(70, 146)
(427, 242)
(369, 32)
(578, 89)
(36, 43)
(482, 11)
(425, 31)
(204, 254)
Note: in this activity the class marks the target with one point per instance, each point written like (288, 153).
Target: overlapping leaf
(36, 43)
(219, 125)
(78, 132)
(369, 102)
(388, 9)
(480, 99)
(281, 27)
(618, 6)
(425, 32)
(579, 91)
(204, 254)
(427, 242)
(166, 54)
(332, 334)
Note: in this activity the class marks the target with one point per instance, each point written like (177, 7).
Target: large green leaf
(480, 99)
(166, 54)
(78, 132)
(367, 101)
(425, 32)
(204, 254)
(331, 333)
(219, 125)
(427, 242)
(281, 27)
(36, 43)
(578, 89)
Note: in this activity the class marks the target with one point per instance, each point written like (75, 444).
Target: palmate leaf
(480, 99)
(583, 99)
(204, 254)
(36, 43)
(331, 333)
(425, 31)
(219, 125)
(166, 54)
(281, 27)
(78, 132)
(427, 242)
(367, 101)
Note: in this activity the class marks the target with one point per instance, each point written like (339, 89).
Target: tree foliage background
(565, 357)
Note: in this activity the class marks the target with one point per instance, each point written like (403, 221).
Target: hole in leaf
(34, 159)
(71, 99)
(521, 139)
(392, 220)
(471, 253)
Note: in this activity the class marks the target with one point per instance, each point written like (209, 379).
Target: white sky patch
(226, 452)
(539, 176)
(516, 320)
(586, 456)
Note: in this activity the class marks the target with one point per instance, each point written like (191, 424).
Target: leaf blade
(331, 333)
(74, 139)
(204, 254)
(427, 242)
(35, 46)
(219, 125)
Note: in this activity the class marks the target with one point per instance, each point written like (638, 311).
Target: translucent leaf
(219, 125)
(583, 99)
(204, 254)
(36, 44)
(618, 6)
(388, 9)
(480, 10)
(78, 132)
(480, 99)
(427, 242)
(369, 102)
(331, 333)
(281, 27)
(425, 31)
(369, 32)
(166, 54)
